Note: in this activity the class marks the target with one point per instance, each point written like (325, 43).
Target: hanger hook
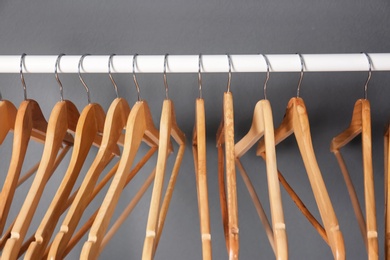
(57, 78)
(369, 74)
(22, 76)
(135, 77)
(81, 78)
(267, 77)
(165, 75)
(200, 75)
(109, 74)
(230, 72)
(302, 70)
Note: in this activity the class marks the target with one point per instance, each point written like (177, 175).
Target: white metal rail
(189, 63)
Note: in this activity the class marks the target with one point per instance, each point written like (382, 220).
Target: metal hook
(109, 74)
(135, 78)
(302, 69)
(165, 75)
(230, 72)
(267, 77)
(57, 78)
(369, 74)
(200, 75)
(22, 76)
(81, 78)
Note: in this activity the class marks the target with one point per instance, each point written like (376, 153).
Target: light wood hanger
(29, 123)
(115, 122)
(113, 126)
(229, 207)
(262, 125)
(361, 123)
(296, 121)
(139, 123)
(89, 130)
(63, 119)
(387, 194)
(162, 212)
(199, 154)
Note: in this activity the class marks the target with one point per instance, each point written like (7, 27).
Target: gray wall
(213, 27)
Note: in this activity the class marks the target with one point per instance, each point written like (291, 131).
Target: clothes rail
(189, 63)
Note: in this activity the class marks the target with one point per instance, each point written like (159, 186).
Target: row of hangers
(68, 128)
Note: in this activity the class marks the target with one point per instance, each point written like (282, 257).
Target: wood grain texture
(231, 182)
(200, 160)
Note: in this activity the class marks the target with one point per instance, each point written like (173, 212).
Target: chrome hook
(57, 78)
(109, 74)
(267, 77)
(22, 76)
(135, 78)
(200, 75)
(369, 74)
(230, 72)
(165, 75)
(301, 77)
(81, 78)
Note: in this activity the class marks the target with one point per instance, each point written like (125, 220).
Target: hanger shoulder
(90, 123)
(354, 128)
(56, 131)
(284, 130)
(7, 118)
(135, 130)
(116, 119)
(255, 132)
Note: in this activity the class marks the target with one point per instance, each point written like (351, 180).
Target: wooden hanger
(113, 126)
(157, 215)
(225, 136)
(90, 124)
(296, 121)
(361, 123)
(387, 194)
(63, 118)
(262, 125)
(199, 153)
(89, 130)
(29, 123)
(139, 123)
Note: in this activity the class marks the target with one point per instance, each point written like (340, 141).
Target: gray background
(213, 27)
